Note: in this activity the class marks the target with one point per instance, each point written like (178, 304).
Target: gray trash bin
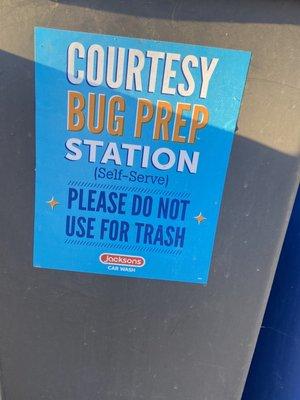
(73, 336)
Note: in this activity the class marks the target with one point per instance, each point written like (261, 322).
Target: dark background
(71, 336)
(275, 367)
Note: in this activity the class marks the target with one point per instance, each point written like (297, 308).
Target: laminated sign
(133, 139)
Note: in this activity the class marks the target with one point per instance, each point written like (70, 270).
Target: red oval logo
(122, 259)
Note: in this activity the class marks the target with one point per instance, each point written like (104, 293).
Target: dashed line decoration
(183, 195)
(77, 242)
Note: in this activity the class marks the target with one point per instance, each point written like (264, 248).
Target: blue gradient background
(53, 171)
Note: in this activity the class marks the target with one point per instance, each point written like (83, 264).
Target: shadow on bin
(78, 336)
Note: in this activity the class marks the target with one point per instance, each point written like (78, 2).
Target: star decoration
(199, 218)
(53, 203)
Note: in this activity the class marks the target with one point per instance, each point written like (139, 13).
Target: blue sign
(133, 139)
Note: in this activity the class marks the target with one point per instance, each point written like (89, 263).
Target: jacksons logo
(122, 259)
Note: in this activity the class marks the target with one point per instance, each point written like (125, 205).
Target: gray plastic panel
(73, 336)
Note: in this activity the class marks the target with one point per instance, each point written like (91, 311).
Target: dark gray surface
(70, 336)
